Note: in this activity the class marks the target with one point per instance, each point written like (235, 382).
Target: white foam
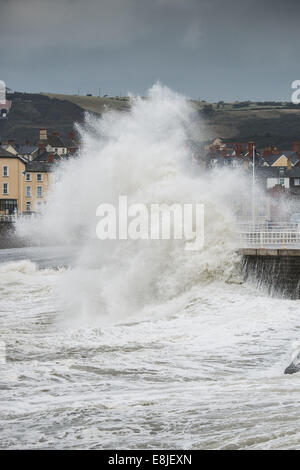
(143, 154)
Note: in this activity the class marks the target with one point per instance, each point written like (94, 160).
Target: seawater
(141, 344)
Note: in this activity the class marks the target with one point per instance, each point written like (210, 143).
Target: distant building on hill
(28, 150)
(54, 143)
(4, 109)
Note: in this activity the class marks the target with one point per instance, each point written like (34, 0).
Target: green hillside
(265, 123)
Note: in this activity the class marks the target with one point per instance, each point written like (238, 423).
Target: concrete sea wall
(277, 270)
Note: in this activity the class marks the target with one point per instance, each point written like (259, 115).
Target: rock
(292, 368)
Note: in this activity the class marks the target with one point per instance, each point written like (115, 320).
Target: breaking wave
(145, 155)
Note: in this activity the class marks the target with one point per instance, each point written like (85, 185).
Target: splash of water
(143, 154)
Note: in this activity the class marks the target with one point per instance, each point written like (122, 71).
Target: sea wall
(8, 238)
(277, 270)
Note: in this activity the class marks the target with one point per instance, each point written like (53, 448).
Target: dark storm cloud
(209, 48)
(84, 24)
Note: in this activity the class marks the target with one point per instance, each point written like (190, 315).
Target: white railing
(270, 239)
(14, 217)
(8, 218)
(268, 227)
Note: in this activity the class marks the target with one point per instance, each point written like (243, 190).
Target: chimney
(274, 150)
(295, 146)
(267, 152)
(55, 133)
(27, 142)
(72, 135)
(50, 158)
(43, 134)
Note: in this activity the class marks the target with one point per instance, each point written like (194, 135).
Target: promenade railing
(283, 235)
(8, 218)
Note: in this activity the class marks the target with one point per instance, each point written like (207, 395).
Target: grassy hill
(265, 123)
(266, 127)
(94, 104)
(31, 111)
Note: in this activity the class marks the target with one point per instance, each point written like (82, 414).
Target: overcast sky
(207, 49)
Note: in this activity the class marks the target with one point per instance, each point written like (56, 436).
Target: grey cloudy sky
(208, 49)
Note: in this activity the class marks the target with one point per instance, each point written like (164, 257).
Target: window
(28, 206)
(281, 172)
(5, 170)
(28, 191)
(5, 188)
(281, 181)
(39, 191)
(39, 177)
(9, 206)
(63, 150)
(28, 176)
(297, 182)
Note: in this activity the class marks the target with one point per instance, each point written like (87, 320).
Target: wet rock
(292, 368)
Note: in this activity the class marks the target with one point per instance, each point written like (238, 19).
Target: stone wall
(279, 273)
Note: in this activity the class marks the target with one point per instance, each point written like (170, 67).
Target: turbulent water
(204, 372)
(141, 344)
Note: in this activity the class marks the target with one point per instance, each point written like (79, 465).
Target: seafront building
(26, 172)
(23, 184)
(274, 173)
(12, 172)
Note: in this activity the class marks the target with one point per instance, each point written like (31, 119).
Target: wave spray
(144, 154)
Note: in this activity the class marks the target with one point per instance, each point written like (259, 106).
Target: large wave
(145, 155)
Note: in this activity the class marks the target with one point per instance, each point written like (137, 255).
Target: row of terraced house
(276, 173)
(26, 171)
(274, 168)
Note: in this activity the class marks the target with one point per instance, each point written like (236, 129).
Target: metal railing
(8, 218)
(268, 227)
(271, 239)
(14, 217)
(277, 235)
